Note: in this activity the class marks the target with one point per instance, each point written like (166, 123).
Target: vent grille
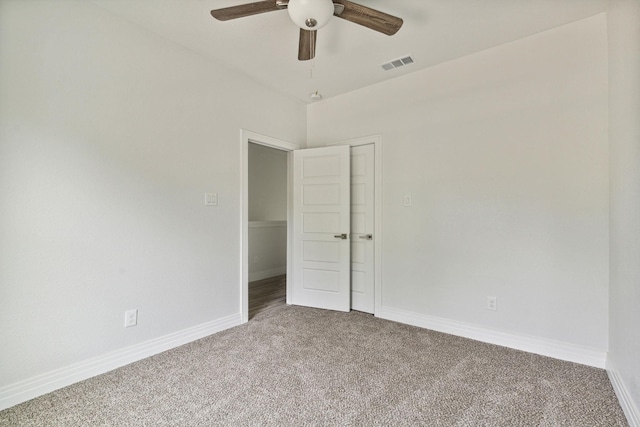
(397, 63)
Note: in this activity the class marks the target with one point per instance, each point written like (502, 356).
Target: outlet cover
(492, 303)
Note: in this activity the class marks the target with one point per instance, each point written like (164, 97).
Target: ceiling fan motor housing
(310, 14)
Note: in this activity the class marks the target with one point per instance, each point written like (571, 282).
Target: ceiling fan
(310, 15)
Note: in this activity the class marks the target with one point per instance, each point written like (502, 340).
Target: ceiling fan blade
(307, 46)
(243, 10)
(370, 18)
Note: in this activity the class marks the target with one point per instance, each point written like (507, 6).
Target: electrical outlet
(256, 259)
(130, 318)
(492, 303)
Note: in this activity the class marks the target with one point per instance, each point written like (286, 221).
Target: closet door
(321, 228)
(362, 228)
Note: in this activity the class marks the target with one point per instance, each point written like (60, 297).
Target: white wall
(267, 249)
(267, 230)
(110, 135)
(624, 137)
(505, 154)
(267, 183)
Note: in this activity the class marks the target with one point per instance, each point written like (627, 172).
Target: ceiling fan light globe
(310, 14)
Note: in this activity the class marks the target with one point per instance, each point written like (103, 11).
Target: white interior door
(321, 228)
(362, 228)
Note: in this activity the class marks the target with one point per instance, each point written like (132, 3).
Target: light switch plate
(407, 200)
(211, 199)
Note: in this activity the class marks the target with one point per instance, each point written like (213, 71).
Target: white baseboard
(631, 411)
(265, 274)
(30, 388)
(545, 347)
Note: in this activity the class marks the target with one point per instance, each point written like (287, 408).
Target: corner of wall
(631, 411)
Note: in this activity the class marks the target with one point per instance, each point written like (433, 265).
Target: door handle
(367, 236)
(342, 236)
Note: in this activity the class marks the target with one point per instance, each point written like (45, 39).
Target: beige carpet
(301, 367)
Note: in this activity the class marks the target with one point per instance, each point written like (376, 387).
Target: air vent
(396, 63)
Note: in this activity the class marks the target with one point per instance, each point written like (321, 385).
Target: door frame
(246, 137)
(376, 140)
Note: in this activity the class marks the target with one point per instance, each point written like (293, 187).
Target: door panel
(321, 201)
(358, 281)
(318, 222)
(321, 251)
(321, 280)
(321, 194)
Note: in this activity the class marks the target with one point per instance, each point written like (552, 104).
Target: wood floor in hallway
(267, 294)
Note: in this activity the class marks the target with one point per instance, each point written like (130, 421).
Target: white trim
(268, 141)
(30, 388)
(545, 347)
(376, 140)
(289, 290)
(265, 274)
(267, 224)
(247, 136)
(631, 411)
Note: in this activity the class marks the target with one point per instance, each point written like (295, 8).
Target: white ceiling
(348, 56)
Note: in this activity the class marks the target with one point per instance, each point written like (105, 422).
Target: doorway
(267, 231)
(248, 137)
